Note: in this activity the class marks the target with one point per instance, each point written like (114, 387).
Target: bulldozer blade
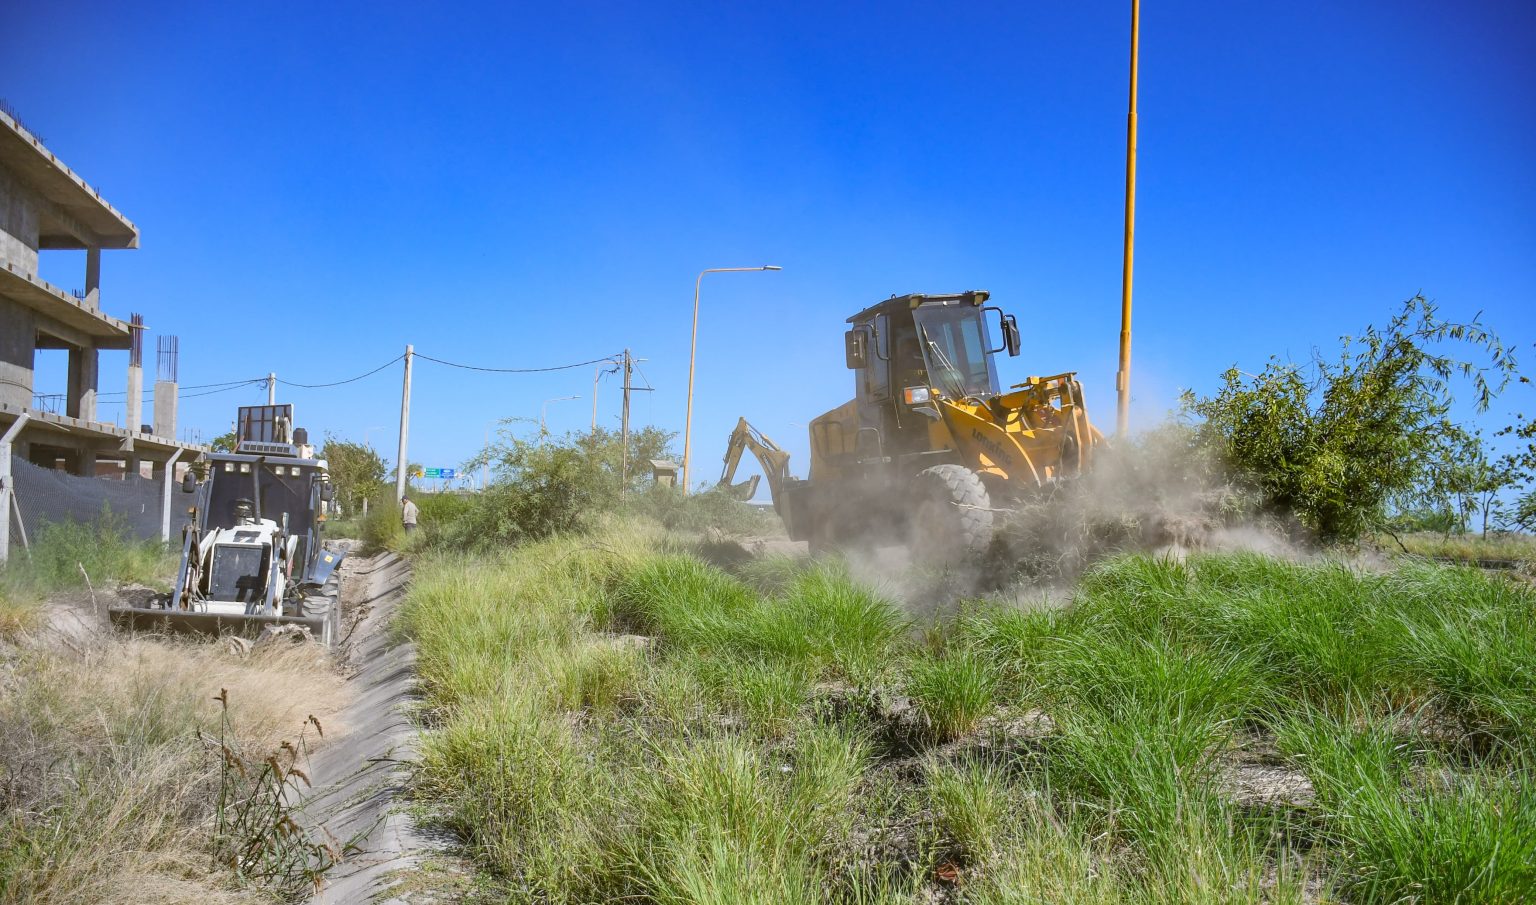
(744, 490)
(182, 622)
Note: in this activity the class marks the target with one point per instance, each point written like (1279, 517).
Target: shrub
(547, 486)
(1336, 442)
(381, 527)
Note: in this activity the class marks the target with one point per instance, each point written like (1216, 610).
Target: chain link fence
(46, 495)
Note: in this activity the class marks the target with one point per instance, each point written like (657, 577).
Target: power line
(579, 364)
(225, 386)
(336, 383)
(203, 386)
(226, 389)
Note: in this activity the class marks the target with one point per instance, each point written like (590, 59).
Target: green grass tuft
(1410, 826)
(952, 692)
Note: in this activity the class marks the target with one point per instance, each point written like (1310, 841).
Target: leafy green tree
(357, 471)
(1338, 442)
(1522, 514)
(224, 442)
(1484, 483)
(1520, 464)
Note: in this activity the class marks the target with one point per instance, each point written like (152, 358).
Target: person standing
(408, 514)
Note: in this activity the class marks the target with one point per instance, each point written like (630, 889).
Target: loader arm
(773, 460)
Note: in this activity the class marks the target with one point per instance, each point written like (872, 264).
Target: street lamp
(692, 351)
(544, 409)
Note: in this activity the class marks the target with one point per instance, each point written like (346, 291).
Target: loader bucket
(186, 622)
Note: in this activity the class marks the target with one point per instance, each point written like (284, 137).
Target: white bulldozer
(252, 556)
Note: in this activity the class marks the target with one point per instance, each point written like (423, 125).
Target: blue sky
(525, 185)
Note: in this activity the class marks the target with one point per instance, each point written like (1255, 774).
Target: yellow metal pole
(693, 348)
(1123, 378)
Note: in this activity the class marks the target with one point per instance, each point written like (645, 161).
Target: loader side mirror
(327, 492)
(856, 349)
(1010, 327)
(188, 482)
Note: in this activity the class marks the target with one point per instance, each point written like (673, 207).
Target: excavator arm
(774, 462)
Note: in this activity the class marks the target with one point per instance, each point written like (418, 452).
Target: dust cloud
(1160, 494)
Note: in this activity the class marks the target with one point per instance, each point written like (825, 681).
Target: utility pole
(271, 388)
(624, 425)
(405, 424)
(1123, 378)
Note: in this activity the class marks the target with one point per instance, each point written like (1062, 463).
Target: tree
(1520, 463)
(224, 442)
(1482, 485)
(357, 472)
(1336, 442)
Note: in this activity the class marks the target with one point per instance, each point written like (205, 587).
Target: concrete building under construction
(46, 208)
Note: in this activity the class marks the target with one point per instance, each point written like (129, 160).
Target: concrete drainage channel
(359, 779)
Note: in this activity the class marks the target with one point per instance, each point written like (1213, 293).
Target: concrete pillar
(165, 409)
(165, 496)
(81, 401)
(93, 278)
(17, 340)
(135, 404)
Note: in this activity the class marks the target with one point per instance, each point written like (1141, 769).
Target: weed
(953, 692)
(1411, 826)
(64, 553)
(975, 806)
(108, 788)
(255, 834)
(723, 757)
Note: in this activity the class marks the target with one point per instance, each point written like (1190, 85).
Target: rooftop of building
(81, 218)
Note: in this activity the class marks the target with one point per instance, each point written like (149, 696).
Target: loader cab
(909, 349)
(245, 489)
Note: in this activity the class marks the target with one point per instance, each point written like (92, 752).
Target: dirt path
(359, 779)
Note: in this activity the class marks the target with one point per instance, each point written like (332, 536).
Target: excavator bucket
(743, 491)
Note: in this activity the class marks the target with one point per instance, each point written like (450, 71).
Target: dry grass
(1470, 548)
(106, 771)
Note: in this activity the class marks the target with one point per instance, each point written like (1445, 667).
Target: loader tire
(952, 515)
(326, 604)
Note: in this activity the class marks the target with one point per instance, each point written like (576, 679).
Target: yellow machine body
(930, 446)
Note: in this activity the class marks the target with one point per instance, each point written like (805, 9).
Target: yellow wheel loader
(930, 447)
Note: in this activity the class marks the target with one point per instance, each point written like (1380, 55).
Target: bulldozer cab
(909, 349)
(273, 476)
